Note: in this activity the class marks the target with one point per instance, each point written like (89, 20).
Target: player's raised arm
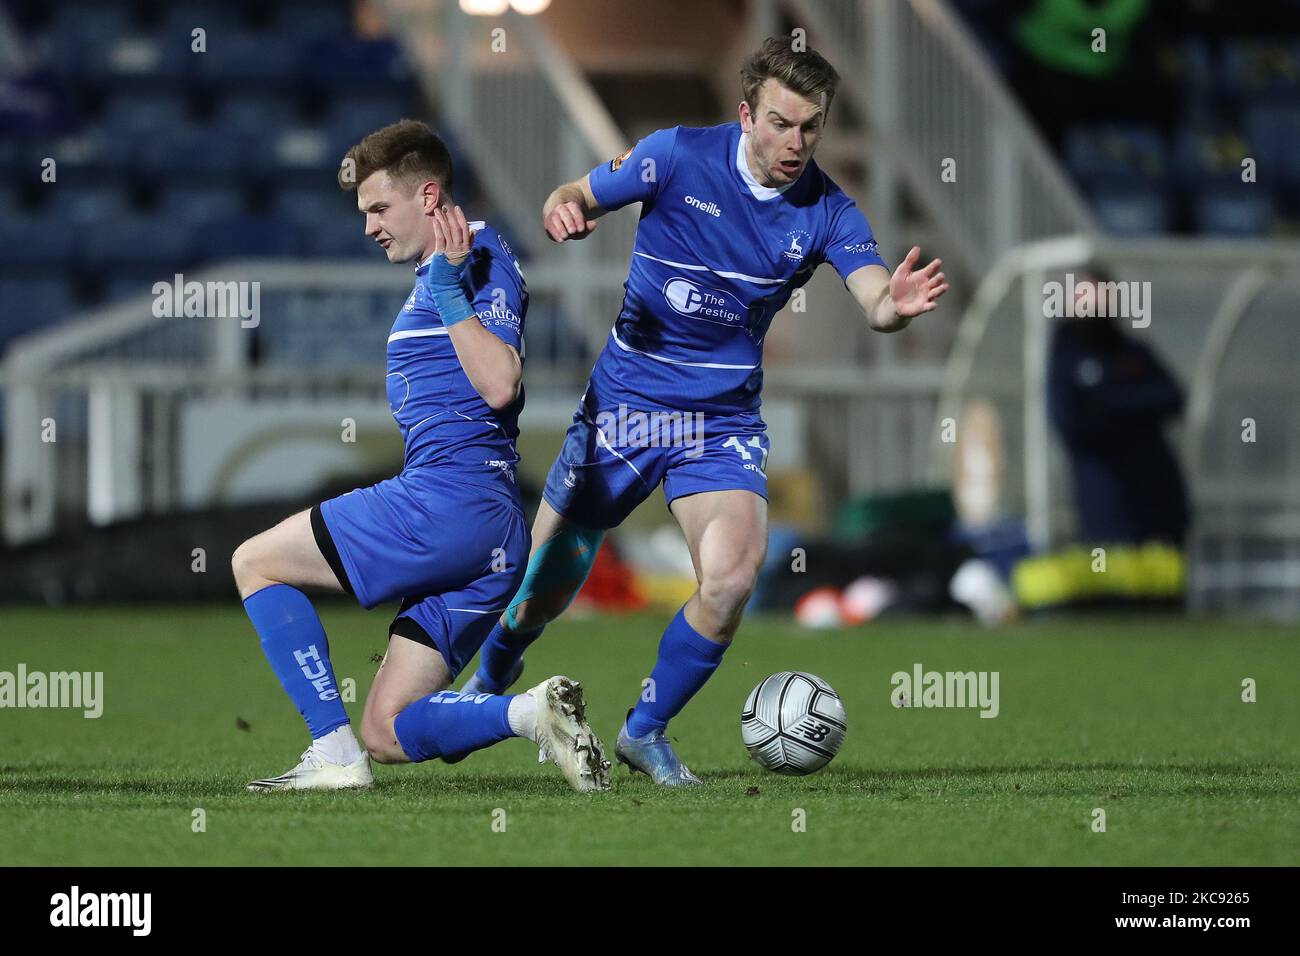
(492, 366)
(571, 211)
(891, 302)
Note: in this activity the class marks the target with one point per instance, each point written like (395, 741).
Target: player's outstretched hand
(916, 291)
(568, 221)
(451, 234)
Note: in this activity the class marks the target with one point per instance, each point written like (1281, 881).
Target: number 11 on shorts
(754, 442)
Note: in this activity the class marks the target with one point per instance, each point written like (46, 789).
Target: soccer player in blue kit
(734, 218)
(447, 534)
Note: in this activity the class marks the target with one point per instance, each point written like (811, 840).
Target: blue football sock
(686, 660)
(452, 723)
(500, 652)
(294, 642)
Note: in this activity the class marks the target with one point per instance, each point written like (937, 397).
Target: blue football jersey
(443, 420)
(717, 255)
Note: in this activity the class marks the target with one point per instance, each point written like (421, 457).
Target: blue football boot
(654, 756)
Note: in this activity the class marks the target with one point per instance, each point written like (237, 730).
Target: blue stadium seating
(1242, 211)
(1236, 96)
(1127, 150)
(30, 303)
(1273, 133)
(1130, 209)
(201, 205)
(253, 114)
(136, 240)
(252, 236)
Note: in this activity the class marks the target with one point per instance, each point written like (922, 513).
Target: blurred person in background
(1110, 398)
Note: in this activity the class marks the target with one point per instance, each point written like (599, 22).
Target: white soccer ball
(793, 723)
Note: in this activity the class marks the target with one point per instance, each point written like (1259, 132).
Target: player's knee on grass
(380, 739)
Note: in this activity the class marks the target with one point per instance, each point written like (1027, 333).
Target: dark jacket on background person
(1109, 398)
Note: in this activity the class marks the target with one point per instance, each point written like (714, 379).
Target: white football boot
(314, 772)
(565, 738)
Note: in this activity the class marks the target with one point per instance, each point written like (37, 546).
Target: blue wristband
(442, 280)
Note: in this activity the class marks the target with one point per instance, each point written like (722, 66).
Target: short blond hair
(807, 73)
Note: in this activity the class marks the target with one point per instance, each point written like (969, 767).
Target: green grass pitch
(1142, 719)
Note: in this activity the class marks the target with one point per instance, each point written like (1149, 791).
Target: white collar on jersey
(474, 226)
(758, 189)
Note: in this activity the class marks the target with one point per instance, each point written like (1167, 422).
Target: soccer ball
(793, 723)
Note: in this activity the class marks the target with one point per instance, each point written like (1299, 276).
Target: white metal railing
(1222, 316)
(112, 356)
(929, 94)
(114, 381)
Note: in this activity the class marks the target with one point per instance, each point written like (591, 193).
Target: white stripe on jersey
(670, 361)
(716, 272)
(416, 333)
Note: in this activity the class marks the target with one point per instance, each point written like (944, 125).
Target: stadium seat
(302, 148)
(1273, 133)
(313, 18)
(192, 148)
(80, 36)
(1128, 209)
(1195, 71)
(1244, 211)
(1256, 68)
(347, 63)
(29, 241)
(256, 114)
(1127, 150)
(138, 240)
(135, 115)
(250, 236)
(248, 58)
(31, 303)
(201, 205)
(183, 16)
(353, 116)
(1202, 158)
(327, 216)
(85, 205)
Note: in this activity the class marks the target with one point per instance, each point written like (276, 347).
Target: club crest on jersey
(617, 161)
(711, 305)
(796, 240)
